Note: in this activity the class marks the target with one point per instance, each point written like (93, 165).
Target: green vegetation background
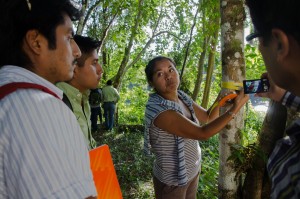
(126, 144)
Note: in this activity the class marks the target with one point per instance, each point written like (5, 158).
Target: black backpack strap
(66, 100)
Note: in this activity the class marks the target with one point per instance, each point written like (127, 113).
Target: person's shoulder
(154, 98)
(181, 92)
(95, 97)
(96, 90)
(184, 96)
(61, 85)
(32, 103)
(116, 90)
(65, 87)
(105, 88)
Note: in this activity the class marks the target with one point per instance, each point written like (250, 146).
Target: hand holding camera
(274, 92)
(256, 86)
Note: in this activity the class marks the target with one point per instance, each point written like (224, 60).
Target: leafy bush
(208, 181)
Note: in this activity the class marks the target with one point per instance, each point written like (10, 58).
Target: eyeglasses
(253, 35)
(28, 4)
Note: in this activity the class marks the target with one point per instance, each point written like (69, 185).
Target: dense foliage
(134, 31)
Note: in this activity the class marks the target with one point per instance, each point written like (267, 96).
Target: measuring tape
(232, 85)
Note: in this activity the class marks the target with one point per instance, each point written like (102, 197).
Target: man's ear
(282, 44)
(33, 41)
(76, 71)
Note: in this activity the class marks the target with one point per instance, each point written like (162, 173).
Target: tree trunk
(134, 29)
(210, 69)
(233, 69)
(86, 11)
(80, 26)
(256, 184)
(200, 70)
(186, 54)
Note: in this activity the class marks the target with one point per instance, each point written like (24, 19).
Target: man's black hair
(109, 82)
(19, 16)
(86, 46)
(269, 14)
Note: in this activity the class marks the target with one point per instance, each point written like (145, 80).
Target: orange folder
(104, 173)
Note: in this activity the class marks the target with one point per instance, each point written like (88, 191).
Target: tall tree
(134, 31)
(233, 69)
(200, 66)
(87, 8)
(210, 69)
(136, 28)
(209, 27)
(186, 54)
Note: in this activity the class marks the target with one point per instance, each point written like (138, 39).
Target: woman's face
(165, 77)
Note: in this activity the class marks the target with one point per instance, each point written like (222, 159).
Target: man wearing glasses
(277, 27)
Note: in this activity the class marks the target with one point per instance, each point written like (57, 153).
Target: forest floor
(133, 168)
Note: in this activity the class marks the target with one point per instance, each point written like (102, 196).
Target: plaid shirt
(284, 162)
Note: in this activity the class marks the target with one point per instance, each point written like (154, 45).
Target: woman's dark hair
(281, 14)
(86, 46)
(149, 70)
(19, 16)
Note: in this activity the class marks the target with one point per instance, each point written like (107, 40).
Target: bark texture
(233, 69)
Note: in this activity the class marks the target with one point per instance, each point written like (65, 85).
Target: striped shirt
(42, 149)
(177, 159)
(284, 162)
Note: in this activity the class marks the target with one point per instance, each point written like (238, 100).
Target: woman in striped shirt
(172, 131)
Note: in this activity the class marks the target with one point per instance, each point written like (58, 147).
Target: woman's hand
(239, 101)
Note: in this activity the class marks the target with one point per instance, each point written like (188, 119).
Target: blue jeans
(109, 111)
(95, 112)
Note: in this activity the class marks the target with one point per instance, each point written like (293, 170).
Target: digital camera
(256, 86)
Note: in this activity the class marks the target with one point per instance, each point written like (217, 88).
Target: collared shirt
(178, 159)
(284, 162)
(291, 101)
(42, 149)
(110, 94)
(81, 109)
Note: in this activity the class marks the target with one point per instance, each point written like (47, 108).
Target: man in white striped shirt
(42, 149)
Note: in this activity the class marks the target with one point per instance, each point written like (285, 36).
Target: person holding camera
(277, 27)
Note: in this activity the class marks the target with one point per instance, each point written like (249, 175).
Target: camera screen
(256, 86)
